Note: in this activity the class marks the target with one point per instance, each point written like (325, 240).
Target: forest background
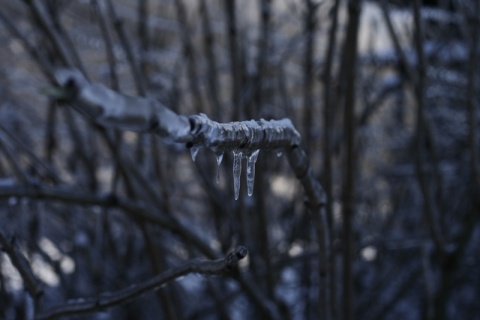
(96, 222)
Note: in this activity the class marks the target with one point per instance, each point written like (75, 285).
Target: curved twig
(208, 267)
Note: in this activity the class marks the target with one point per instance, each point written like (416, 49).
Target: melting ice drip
(219, 161)
(237, 171)
(251, 160)
(194, 152)
(238, 156)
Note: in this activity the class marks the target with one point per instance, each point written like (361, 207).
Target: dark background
(390, 126)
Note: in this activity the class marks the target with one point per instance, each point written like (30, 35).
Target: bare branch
(215, 267)
(421, 137)
(67, 53)
(45, 169)
(348, 192)
(111, 108)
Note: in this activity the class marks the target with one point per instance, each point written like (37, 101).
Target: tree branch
(135, 209)
(111, 108)
(208, 267)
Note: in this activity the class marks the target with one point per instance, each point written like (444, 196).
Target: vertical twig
(234, 54)
(252, 110)
(65, 51)
(128, 48)
(82, 152)
(143, 34)
(264, 42)
(41, 167)
(158, 264)
(420, 137)
(308, 70)
(396, 43)
(34, 53)
(472, 97)
(327, 147)
(429, 281)
(212, 76)
(13, 161)
(299, 164)
(50, 128)
(189, 54)
(107, 38)
(350, 63)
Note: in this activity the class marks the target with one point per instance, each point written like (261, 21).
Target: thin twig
(128, 48)
(5, 149)
(107, 38)
(34, 53)
(316, 203)
(231, 21)
(188, 51)
(411, 74)
(45, 21)
(143, 34)
(420, 138)
(209, 48)
(308, 70)
(350, 56)
(215, 267)
(472, 96)
(327, 150)
(40, 166)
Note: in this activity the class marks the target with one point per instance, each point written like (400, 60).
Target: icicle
(237, 170)
(251, 160)
(279, 153)
(194, 152)
(219, 161)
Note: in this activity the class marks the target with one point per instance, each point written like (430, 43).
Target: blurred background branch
(384, 93)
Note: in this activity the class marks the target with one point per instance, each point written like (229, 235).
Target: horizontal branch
(110, 108)
(63, 194)
(79, 306)
(135, 209)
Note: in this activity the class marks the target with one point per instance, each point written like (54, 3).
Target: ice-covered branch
(81, 306)
(113, 109)
(244, 138)
(110, 108)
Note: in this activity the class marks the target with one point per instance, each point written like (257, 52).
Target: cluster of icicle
(238, 156)
(244, 139)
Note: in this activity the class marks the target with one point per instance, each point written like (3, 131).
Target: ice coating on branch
(247, 135)
(237, 171)
(251, 160)
(110, 108)
(244, 139)
(194, 152)
(219, 161)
